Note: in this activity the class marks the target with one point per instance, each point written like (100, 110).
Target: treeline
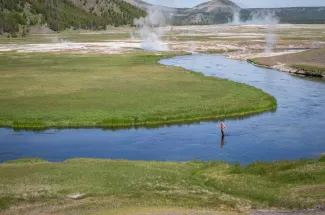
(124, 16)
(17, 15)
(62, 14)
(11, 16)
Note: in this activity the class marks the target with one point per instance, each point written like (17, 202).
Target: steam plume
(264, 17)
(236, 17)
(269, 19)
(152, 29)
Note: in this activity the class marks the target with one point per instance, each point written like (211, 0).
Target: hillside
(139, 3)
(212, 12)
(293, 15)
(222, 11)
(115, 12)
(16, 16)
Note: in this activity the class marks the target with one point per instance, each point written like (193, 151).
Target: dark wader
(223, 132)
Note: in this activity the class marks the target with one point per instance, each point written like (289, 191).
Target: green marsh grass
(76, 90)
(310, 70)
(113, 184)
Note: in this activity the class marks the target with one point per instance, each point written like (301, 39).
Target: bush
(322, 158)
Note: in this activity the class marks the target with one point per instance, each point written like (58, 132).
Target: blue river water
(295, 130)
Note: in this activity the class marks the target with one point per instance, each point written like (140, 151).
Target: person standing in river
(223, 127)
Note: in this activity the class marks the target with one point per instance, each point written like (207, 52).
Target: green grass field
(77, 90)
(109, 185)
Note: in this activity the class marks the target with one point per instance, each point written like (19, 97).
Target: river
(295, 130)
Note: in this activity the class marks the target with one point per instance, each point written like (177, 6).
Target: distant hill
(222, 11)
(16, 16)
(212, 12)
(292, 15)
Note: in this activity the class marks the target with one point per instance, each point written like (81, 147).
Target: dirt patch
(40, 30)
(312, 189)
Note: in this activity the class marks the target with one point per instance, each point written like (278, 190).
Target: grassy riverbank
(107, 186)
(310, 62)
(79, 90)
(310, 70)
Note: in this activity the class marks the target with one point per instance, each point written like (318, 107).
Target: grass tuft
(322, 158)
(6, 202)
(26, 161)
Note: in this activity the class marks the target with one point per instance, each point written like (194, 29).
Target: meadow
(137, 187)
(41, 90)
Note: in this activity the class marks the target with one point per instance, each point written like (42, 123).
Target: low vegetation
(255, 61)
(311, 70)
(106, 185)
(71, 90)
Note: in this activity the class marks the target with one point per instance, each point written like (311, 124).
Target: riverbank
(94, 186)
(90, 90)
(308, 63)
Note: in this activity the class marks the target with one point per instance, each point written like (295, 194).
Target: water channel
(295, 130)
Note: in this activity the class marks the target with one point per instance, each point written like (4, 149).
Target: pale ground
(113, 47)
(241, 41)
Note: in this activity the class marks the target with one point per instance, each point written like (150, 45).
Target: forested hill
(16, 16)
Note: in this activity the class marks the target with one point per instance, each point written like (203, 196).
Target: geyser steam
(236, 17)
(264, 17)
(152, 29)
(269, 19)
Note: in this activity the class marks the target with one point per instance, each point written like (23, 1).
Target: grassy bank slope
(108, 185)
(66, 90)
(311, 62)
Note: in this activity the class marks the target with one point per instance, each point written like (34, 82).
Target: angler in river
(223, 127)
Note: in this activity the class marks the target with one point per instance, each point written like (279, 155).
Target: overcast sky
(244, 3)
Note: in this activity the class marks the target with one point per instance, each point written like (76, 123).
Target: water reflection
(222, 141)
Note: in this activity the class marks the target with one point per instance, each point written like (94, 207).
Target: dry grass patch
(109, 185)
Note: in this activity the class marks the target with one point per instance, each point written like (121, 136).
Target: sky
(244, 3)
